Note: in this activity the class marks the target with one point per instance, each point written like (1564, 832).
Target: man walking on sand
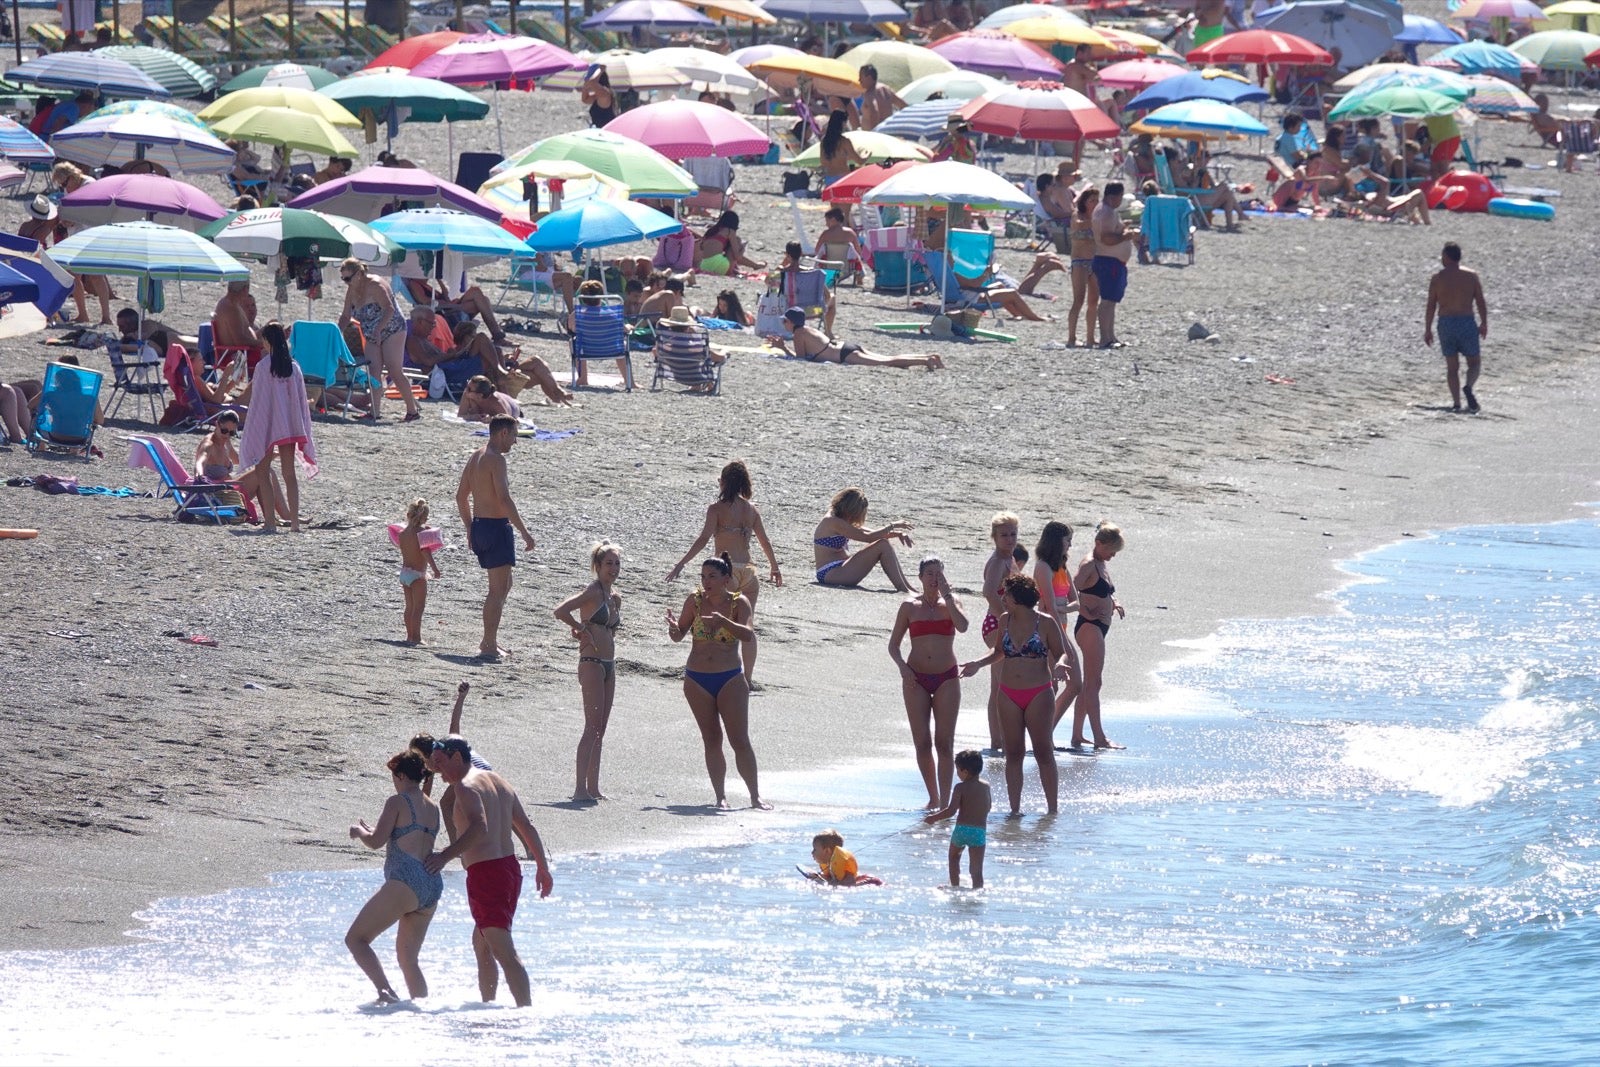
(489, 515)
(1453, 295)
(484, 815)
(1112, 247)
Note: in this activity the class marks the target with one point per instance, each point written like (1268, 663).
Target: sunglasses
(226, 433)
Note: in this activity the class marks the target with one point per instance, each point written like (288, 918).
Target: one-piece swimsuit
(401, 866)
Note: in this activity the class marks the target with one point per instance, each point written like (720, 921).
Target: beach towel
(279, 414)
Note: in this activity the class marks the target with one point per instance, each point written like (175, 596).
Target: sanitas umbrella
(179, 75)
(1557, 49)
(1261, 46)
(87, 70)
(999, 54)
(682, 129)
(873, 146)
(281, 126)
(146, 250)
(898, 63)
(1204, 117)
(283, 98)
(957, 85)
(949, 183)
(599, 223)
(663, 16)
(1039, 111)
(128, 197)
(287, 75)
(439, 230)
(295, 232)
(647, 173)
(120, 139)
(1196, 86)
(366, 193)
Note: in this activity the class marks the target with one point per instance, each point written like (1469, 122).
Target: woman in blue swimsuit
(845, 523)
(408, 826)
(713, 681)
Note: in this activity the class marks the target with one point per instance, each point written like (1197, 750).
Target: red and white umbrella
(684, 129)
(1260, 46)
(850, 188)
(1039, 111)
(1002, 55)
(1139, 73)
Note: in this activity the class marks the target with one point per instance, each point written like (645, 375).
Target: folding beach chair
(67, 403)
(894, 270)
(600, 331)
(1576, 140)
(214, 502)
(525, 278)
(714, 177)
(684, 356)
(1169, 188)
(136, 371)
(1166, 226)
(326, 361)
(200, 410)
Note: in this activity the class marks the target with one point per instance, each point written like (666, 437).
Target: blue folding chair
(600, 331)
(1167, 226)
(325, 359)
(67, 405)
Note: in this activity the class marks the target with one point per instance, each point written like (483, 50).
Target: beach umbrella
(998, 54)
(706, 70)
(290, 129)
(1205, 117)
(18, 142)
(1495, 96)
(681, 129)
(1445, 81)
(1261, 46)
(1361, 33)
(1571, 15)
(299, 233)
(924, 121)
(873, 146)
(413, 50)
(837, 10)
(1005, 16)
(1125, 44)
(950, 183)
(120, 139)
(1510, 10)
(647, 173)
(639, 71)
(757, 52)
(1139, 73)
(146, 250)
(282, 98)
(1194, 85)
(491, 58)
(1373, 70)
(16, 287)
(178, 75)
(126, 197)
(899, 64)
(1039, 111)
(599, 223)
(1481, 57)
(1383, 96)
(1420, 29)
(1053, 31)
(1557, 49)
(365, 193)
(957, 85)
(438, 229)
(87, 70)
(651, 16)
(405, 98)
(827, 75)
(579, 184)
(174, 112)
(737, 10)
(850, 188)
(287, 75)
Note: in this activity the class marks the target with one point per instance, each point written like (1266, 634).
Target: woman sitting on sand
(593, 617)
(929, 677)
(713, 680)
(407, 828)
(721, 250)
(814, 346)
(731, 520)
(843, 524)
(1096, 606)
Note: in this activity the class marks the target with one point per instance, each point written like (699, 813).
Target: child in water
(837, 867)
(969, 803)
(415, 562)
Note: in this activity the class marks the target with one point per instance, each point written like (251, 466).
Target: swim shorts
(968, 836)
(493, 887)
(1206, 34)
(493, 543)
(1112, 275)
(1458, 335)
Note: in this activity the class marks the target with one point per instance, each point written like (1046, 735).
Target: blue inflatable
(1517, 208)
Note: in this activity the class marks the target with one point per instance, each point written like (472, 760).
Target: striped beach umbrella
(287, 231)
(924, 121)
(18, 142)
(119, 139)
(146, 250)
(1495, 96)
(287, 75)
(177, 74)
(1039, 111)
(87, 70)
(174, 112)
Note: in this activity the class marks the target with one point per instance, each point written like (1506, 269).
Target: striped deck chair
(180, 38)
(684, 356)
(252, 41)
(67, 405)
(600, 331)
(51, 36)
(1576, 139)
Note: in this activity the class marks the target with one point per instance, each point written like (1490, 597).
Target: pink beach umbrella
(364, 194)
(492, 58)
(683, 129)
(1510, 10)
(131, 197)
(999, 54)
(1039, 111)
(1138, 73)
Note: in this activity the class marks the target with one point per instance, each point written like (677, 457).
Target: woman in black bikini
(593, 617)
(930, 678)
(1096, 605)
(814, 346)
(1001, 564)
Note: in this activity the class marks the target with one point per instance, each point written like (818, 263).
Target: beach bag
(513, 382)
(796, 181)
(436, 384)
(769, 315)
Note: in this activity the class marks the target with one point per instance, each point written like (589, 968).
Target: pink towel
(279, 414)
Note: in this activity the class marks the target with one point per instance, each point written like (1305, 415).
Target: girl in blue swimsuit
(407, 828)
(718, 618)
(845, 523)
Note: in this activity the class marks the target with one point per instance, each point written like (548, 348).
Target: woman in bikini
(836, 155)
(408, 826)
(713, 680)
(593, 617)
(814, 346)
(1096, 605)
(369, 302)
(1059, 600)
(721, 249)
(843, 524)
(731, 520)
(1085, 290)
(1029, 655)
(930, 678)
(1001, 564)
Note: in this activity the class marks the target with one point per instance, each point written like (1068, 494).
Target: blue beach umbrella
(1478, 57)
(599, 223)
(18, 142)
(146, 250)
(1420, 29)
(174, 112)
(87, 70)
(924, 121)
(1362, 30)
(436, 229)
(1196, 86)
(16, 287)
(1203, 117)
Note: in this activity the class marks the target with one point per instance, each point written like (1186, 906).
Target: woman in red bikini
(930, 679)
(1003, 531)
(1030, 654)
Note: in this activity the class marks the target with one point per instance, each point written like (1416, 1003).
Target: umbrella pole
(499, 131)
(16, 27)
(566, 27)
(450, 140)
(345, 27)
(233, 33)
(290, 24)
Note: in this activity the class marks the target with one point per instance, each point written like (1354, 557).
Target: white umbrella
(121, 139)
(950, 183)
(625, 69)
(953, 85)
(708, 70)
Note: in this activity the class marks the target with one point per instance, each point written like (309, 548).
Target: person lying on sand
(480, 401)
(814, 346)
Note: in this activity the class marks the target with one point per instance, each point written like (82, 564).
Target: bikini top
(1060, 584)
(604, 616)
(1100, 588)
(927, 627)
(722, 635)
(831, 541)
(401, 831)
(742, 531)
(1033, 648)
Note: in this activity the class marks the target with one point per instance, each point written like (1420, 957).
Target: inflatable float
(1517, 208)
(19, 535)
(428, 538)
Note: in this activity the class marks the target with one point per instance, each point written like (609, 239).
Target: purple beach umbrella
(130, 197)
(364, 194)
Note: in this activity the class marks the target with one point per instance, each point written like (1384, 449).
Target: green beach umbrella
(646, 172)
(1557, 49)
(292, 75)
(179, 75)
(1394, 94)
(285, 231)
(146, 250)
(424, 99)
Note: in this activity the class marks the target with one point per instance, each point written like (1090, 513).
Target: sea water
(1368, 836)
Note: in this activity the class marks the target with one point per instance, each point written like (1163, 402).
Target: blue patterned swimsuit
(403, 867)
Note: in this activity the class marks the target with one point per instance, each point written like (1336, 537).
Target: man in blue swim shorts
(1112, 247)
(1455, 295)
(489, 514)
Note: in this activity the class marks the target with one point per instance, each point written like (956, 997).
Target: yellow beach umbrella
(1048, 31)
(899, 64)
(874, 147)
(827, 75)
(281, 126)
(737, 10)
(303, 101)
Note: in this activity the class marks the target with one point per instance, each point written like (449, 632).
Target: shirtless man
(1453, 295)
(1208, 21)
(233, 327)
(484, 815)
(430, 341)
(489, 514)
(1112, 247)
(1081, 76)
(814, 346)
(661, 302)
(878, 101)
(1545, 124)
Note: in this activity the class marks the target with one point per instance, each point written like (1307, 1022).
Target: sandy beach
(145, 767)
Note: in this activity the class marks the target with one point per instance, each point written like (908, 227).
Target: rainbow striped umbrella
(18, 142)
(1495, 96)
(146, 250)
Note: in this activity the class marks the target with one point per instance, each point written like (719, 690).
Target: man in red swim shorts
(485, 814)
